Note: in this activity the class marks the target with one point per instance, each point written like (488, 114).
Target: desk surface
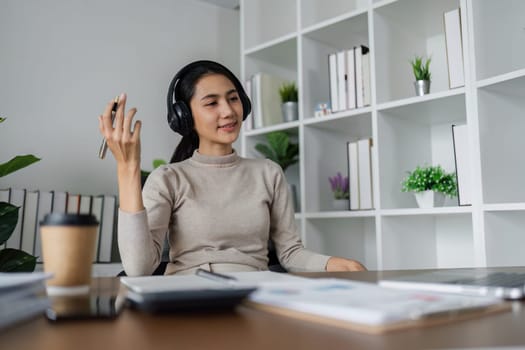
(253, 329)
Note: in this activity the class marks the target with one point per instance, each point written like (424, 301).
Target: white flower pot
(429, 199)
(340, 204)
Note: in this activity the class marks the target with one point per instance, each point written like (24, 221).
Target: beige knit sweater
(215, 210)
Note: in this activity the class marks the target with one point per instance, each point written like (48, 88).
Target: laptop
(502, 283)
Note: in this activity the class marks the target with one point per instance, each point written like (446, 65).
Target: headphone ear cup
(180, 118)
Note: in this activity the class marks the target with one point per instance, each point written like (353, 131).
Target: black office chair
(273, 263)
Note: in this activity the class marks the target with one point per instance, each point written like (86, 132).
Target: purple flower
(339, 185)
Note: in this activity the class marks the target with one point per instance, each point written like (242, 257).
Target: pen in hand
(104, 145)
(215, 276)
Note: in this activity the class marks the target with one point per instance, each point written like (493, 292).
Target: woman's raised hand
(122, 139)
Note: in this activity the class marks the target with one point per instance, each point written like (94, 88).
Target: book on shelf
(460, 140)
(353, 174)
(4, 197)
(341, 79)
(16, 198)
(45, 205)
(266, 101)
(454, 48)
(364, 150)
(84, 206)
(107, 228)
(60, 202)
(73, 203)
(248, 123)
(362, 75)
(350, 79)
(96, 210)
(334, 90)
(29, 223)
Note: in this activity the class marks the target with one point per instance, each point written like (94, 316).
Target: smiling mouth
(228, 126)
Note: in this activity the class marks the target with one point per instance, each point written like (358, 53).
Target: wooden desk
(252, 329)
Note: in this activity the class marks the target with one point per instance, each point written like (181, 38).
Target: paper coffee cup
(68, 250)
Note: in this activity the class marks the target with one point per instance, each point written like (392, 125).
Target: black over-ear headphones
(180, 118)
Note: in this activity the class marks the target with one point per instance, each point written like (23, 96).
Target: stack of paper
(22, 296)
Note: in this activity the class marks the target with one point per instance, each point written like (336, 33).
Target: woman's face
(217, 114)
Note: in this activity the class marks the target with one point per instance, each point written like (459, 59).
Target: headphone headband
(180, 118)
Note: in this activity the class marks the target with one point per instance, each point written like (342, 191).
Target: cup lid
(63, 219)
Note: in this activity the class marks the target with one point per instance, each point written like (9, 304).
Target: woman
(218, 209)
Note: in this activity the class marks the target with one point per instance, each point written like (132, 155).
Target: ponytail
(187, 145)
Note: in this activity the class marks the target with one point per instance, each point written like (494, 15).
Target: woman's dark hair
(184, 91)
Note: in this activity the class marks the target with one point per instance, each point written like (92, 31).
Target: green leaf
(2, 119)
(158, 162)
(279, 142)
(17, 163)
(266, 151)
(8, 220)
(14, 260)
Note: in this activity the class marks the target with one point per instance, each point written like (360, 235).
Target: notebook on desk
(501, 284)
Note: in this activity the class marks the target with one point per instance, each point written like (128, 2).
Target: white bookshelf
(292, 39)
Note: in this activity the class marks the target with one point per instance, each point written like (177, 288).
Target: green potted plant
(421, 69)
(281, 150)
(13, 260)
(289, 98)
(340, 189)
(430, 184)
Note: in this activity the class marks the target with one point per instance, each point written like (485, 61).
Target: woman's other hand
(335, 264)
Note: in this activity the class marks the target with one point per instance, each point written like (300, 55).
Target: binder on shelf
(350, 79)
(353, 175)
(341, 79)
(452, 23)
(45, 205)
(332, 70)
(84, 206)
(362, 63)
(267, 109)
(30, 218)
(462, 159)
(365, 173)
(96, 210)
(59, 204)
(73, 203)
(108, 227)
(16, 198)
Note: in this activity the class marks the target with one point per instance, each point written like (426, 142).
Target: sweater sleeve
(284, 233)
(141, 235)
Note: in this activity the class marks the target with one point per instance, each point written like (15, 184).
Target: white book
(269, 101)
(365, 173)
(17, 198)
(332, 70)
(85, 204)
(359, 76)
(45, 204)
(108, 225)
(341, 80)
(96, 210)
(73, 203)
(365, 65)
(30, 219)
(59, 202)
(350, 79)
(256, 103)
(452, 23)
(353, 175)
(462, 157)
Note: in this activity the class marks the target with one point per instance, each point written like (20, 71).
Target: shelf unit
(292, 39)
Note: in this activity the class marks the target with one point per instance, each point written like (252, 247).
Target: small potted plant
(430, 185)
(289, 98)
(13, 260)
(340, 189)
(421, 69)
(282, 151)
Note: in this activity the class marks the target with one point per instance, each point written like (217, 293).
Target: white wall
(61, 61)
